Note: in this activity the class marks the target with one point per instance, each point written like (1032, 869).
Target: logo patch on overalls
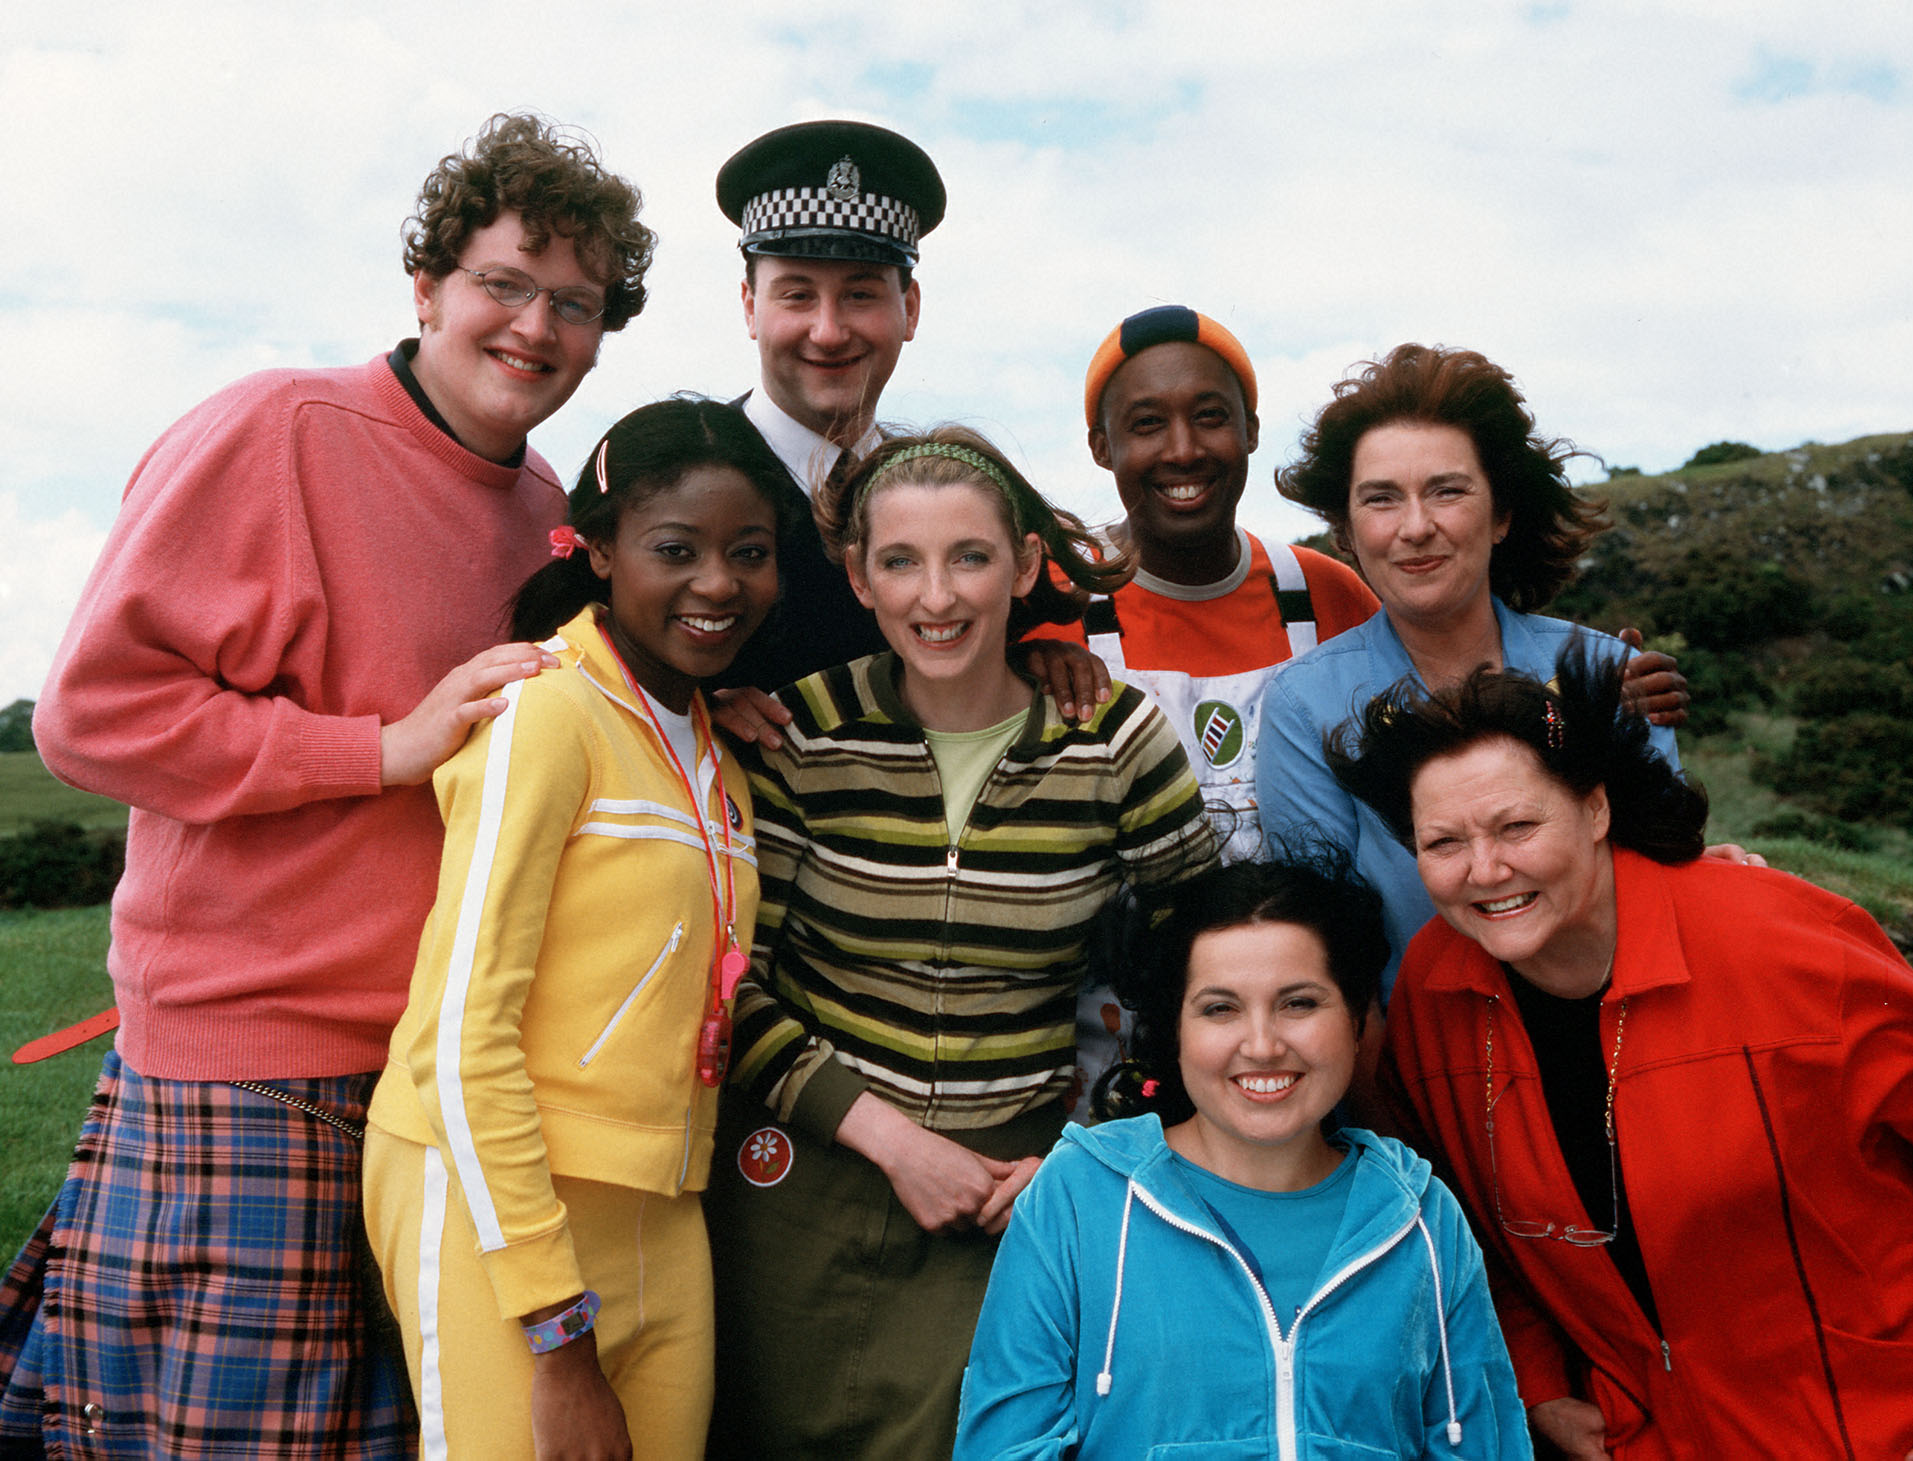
(765, 1157)
(1218, 728)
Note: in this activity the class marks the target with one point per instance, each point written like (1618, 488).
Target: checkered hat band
(814, 208)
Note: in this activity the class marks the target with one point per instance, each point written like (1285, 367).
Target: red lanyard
(727, 960)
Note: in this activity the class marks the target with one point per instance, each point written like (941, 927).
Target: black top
(401, 362)
(817, 622)
(1566, 1035)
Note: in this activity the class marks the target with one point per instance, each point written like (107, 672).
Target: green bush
(59, 865)
(1721, 682)
(1858, 768)
(1889, 638)
(16, 726)
(1722, 451)
(1840, 685)
(1847, 616)
(1718, 601)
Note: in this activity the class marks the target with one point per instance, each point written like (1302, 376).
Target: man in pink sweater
(295, 619)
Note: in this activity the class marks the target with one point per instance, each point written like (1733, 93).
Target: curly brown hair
(1549, 524)
(1083, 566)
(551, 177)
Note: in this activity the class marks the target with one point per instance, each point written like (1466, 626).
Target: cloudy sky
(1674, 221)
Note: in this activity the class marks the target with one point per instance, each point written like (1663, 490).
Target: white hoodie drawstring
(1441, 1327)
(1103, 1380)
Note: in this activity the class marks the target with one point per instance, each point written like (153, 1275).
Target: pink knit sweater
(297, 561)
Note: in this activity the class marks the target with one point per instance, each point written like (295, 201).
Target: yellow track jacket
(563, 974)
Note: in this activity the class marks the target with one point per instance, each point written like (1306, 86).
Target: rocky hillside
(1785, 582)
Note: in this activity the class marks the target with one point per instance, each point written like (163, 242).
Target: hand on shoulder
(412, 748)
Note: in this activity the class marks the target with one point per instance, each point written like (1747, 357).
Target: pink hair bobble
(1150, 1087)
(565, 541)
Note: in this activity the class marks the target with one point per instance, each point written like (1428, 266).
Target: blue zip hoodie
(1120, 1322)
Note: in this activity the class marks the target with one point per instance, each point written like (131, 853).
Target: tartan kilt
(196, 1289)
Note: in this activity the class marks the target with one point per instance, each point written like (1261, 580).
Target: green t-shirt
(964, 762)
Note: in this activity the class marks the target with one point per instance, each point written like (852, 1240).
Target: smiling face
(1177, 435)
(939, 570)
(693, 571)
(1267, 1047)
(828, 335)
(1516, 861)
(1422, 522)
(495, 372)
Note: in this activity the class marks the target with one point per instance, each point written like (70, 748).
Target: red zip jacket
(1764, 1113)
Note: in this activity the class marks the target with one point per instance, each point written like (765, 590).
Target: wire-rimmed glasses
(573, 304)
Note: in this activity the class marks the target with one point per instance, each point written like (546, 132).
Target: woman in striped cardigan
(935, 842)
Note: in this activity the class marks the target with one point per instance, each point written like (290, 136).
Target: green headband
(962, 454)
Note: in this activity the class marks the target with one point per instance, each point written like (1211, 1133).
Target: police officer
(831, 213)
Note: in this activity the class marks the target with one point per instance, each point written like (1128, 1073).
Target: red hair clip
(1551, 721)
(565, 541)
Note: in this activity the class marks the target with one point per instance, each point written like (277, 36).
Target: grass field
(1880, 881)
(28, 794)
(52, 972)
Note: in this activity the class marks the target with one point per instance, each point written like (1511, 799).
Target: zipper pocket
(677, 937)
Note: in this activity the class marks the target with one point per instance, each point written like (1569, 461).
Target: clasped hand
(942, 1184)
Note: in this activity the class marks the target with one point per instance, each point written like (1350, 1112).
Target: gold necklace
(1566, 1232)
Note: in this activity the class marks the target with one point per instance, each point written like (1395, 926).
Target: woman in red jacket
(1676, 1094)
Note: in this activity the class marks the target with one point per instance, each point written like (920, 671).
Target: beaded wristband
(560, 1329)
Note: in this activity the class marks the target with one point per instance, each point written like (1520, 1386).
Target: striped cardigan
(942, 978)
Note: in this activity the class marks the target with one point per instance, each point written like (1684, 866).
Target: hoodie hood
(1392, 1180)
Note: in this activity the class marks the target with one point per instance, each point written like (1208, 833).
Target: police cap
(832, 190)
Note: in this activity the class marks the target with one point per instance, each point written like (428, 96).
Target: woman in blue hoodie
(1220, 1272)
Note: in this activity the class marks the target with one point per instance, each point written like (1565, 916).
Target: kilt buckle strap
(300, 1103)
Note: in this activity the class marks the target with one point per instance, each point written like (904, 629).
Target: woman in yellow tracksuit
(538, 1141)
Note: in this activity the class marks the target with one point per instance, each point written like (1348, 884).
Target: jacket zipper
(684, 1166)
(950, 871)
(677, 937)
(951, 852)
(1284, 1349)
(1286, 1369)
(1667, 1352)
